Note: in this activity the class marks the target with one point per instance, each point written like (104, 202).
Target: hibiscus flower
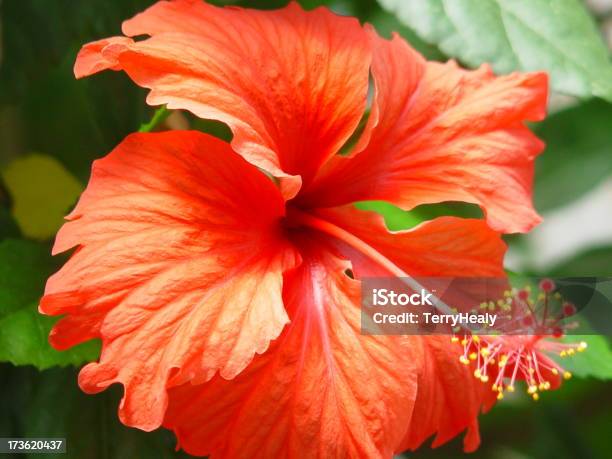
(224, 279)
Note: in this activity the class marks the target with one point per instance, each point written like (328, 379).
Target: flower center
(297, 218)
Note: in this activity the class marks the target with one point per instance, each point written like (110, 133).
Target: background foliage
(52, 127)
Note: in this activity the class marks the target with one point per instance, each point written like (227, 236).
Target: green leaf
(75, 121)
(50, 404)
(37, 34)
(397, 219)
(24, 268)
(557, 36)
(593, 262)
(595, 362)
(43, 192)
(8, 226)
(386, 23)
(577, 156)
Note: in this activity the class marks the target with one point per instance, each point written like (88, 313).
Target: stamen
(526, 356)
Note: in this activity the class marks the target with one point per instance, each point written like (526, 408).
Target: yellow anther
(535, 397)
(476, 339)
(562, 354)
(477, 373)
(571, 351)
(567, 375)
(546, 385)
(454, 339)
(464, 360)
(500, 396)
(510, 388)
(541, 386)
(473, 356)
(554, 371)
(484, 378)
(485, 351)
(483, 305)
(463, 342)
(494, 387)
(532, 389)
(582, 346)
(531, 371)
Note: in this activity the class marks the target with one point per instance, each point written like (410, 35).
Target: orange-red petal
(443, 247)
(321, 391)
(178, 268)
(91, 60)
(292, 85)
(439, 133)
(449, 397)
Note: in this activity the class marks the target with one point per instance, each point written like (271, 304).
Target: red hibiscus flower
(223, 280)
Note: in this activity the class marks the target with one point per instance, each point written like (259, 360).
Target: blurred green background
(52, 127)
